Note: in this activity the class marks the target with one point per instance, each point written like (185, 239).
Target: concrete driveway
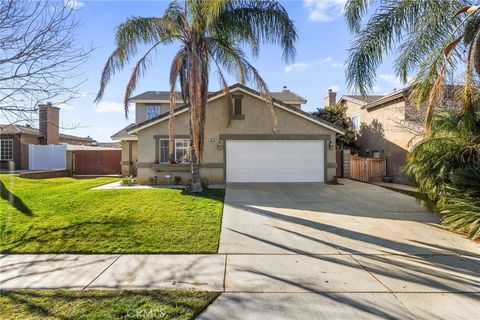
(359, 251)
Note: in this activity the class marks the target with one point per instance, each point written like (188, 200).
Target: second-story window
(153, 110)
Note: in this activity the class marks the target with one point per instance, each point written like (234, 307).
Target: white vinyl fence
(47, 157)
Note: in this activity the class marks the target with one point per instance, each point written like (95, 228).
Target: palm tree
(446, 166)
(426, 39)
(211, 33)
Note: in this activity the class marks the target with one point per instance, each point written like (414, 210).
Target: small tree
(337, 114)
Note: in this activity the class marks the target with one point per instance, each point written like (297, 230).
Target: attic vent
(285, 89)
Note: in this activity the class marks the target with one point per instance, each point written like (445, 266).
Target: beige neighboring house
(251, 149)
(387, 126)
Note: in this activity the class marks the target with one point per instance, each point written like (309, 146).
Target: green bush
(461, 204)
(446, 166)
(177, 179)
(128, 181)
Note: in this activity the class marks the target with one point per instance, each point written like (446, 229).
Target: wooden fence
(96, 162)
(367, 169)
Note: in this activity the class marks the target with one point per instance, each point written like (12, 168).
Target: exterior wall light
(330, 144)
(220, 145)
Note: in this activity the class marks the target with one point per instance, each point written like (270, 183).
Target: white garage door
(275, 161)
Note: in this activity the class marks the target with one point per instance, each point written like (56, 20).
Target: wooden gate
(367, 169)
(97, 162)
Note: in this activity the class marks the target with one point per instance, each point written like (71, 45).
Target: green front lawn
(103, 304)
(63, 215)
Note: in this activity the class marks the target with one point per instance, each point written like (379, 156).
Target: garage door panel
(275, 161)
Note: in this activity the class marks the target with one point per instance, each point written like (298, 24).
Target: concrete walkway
(297, 251)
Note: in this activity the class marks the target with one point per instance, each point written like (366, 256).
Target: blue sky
(321, 53)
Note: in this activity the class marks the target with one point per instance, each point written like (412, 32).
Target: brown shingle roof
(123, 133)
(18, 129)
(13, 129)
(283, 96)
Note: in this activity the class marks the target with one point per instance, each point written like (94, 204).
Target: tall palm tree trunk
(194, 166)
(197, 87)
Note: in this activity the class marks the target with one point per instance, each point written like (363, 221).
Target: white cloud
(298, 66)
(326, 60)
(65, 106)
(304, 65)
(391, 79)
(74, 4)
(82, 94)
(109, 107)
(338, 65)
(324, 10)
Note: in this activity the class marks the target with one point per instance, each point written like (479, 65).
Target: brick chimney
(330, 98)
(49, 123)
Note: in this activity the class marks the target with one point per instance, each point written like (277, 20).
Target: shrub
(205, 183)
(461, 204)
(446, 166)
(177, 179)
(128, 181)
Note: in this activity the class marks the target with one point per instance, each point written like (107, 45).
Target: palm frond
(212, 10)
(129, 36)
(232, 58)
(141, 67)
(354, 11)
(226, 90)
(177, 68)
(415, 27)
(257, 22)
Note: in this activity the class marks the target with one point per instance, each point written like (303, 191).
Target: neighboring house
(14, 139)
(251, 149)
(387, 126)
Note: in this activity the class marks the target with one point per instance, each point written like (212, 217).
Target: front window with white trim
(181, 151)
(356, 122)
(6, 149)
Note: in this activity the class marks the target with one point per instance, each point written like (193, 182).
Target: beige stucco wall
(382, 130)
(129, 158)
(258, 120)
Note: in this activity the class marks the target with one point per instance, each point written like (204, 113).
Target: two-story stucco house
(387, 126)
(301, 148)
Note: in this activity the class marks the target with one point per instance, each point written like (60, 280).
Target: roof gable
(247, 90)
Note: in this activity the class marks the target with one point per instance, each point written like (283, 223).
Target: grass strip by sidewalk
(103, 304)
